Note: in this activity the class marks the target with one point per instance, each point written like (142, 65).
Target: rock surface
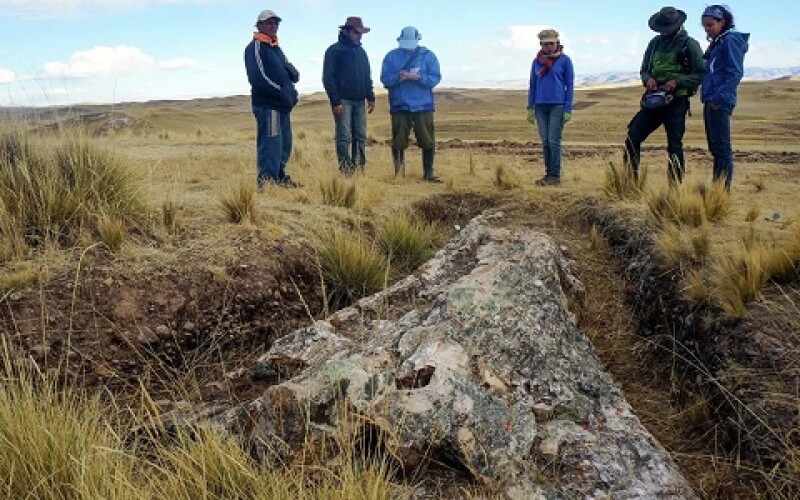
(486, 369)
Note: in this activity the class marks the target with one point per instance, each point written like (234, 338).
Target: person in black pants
(671, 71)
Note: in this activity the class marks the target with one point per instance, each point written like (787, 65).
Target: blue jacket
(724, 68)
(556, 87)
(410, 95)
(346, 73)
(271, 77)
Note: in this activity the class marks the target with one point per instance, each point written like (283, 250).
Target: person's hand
(567, 117)
(670, 86)
(532, 115)
(370, 106)
(404, 75)
(338, 110)
(652, 84)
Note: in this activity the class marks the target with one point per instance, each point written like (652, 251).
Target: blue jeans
(550, 122)
(718, 135)
(273, 144)
(351, 134)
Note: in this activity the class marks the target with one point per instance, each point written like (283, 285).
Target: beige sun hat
(548, 35)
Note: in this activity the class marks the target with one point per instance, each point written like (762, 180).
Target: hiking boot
(427, 165)
(549, 180)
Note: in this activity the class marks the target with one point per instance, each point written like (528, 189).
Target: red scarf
(548, 60)
(261, 37)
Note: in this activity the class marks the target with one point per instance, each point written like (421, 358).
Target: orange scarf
(261, 37)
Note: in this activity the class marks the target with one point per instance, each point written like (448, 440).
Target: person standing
(550, 96)
(671, 71)
(724, 70)
(410, 72)
(348, 83)
(273, 95)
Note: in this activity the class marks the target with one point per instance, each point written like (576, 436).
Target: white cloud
(110, 61)
(7, 76)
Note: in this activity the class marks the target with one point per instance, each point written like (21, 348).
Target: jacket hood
(739, 38)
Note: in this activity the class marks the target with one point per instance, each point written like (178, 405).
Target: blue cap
(715, 11)
(409, 38)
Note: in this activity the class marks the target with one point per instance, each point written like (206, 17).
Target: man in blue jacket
(273, 95)
(410, 72)
(348, 83)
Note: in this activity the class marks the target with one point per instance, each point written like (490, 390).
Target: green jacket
(676, 57)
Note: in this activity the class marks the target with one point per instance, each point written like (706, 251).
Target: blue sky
(73, 51)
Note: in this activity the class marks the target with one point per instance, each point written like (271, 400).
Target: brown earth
(179, 329)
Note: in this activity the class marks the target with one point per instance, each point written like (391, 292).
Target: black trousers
(646, 121)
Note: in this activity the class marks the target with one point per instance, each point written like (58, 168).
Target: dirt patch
(105, 326)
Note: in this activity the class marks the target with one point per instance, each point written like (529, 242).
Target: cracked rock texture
(486, 368)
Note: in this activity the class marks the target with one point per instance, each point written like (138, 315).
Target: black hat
(667, 19)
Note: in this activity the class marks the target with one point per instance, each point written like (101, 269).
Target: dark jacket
(271, 77)
(724, 68)
(346, 73)
(677, 57)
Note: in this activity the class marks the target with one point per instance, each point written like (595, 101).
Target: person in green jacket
(672, 69)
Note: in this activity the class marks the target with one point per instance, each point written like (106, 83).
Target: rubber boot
(427, 165)
(398, 157)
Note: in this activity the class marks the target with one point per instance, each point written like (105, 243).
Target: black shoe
(432, 179)
(548, 180)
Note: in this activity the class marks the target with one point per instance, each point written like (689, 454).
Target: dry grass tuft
(338, 193)
(716, 201)
(752, 214)
(112, 232)
(407, 241)
(506, 178)
(351, 265)
(684, 245)
(51, 194)
(596, 240)
(238, 203)
(170, 220)
(622, 184)
(681, 205)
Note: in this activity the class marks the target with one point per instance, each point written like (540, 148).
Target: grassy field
(191, 165)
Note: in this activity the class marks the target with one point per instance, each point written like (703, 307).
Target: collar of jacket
(261, 37)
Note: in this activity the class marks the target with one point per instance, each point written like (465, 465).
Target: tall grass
(56, 192)
(238, 202)
(54, 442)
(506, 178)
(351, 265)
(338, 193)
(407, 241)
(623, 184)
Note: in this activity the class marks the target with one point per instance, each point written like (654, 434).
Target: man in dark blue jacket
(273, 95)
(347, 80)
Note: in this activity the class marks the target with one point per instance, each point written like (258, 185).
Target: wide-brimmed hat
(355, 23)
(548, 35)
(667, 19)
(268, 14)
(409, 38)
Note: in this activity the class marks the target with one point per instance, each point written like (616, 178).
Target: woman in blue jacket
(550, 96)
(724, 70)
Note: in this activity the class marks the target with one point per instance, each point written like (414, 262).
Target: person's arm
(697, 66)
(569, 83)
(329, 77)
(733, 51)
(390, 76)
(431, 74)
(368, 82)
(532, 86)
(255, 62)
(647, 66)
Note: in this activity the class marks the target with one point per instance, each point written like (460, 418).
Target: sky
(58, 52)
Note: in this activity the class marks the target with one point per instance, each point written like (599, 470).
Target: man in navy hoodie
(348, 83)
(273, 95)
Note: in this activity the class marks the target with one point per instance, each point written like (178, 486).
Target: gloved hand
(567, 117)
(532, 116)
